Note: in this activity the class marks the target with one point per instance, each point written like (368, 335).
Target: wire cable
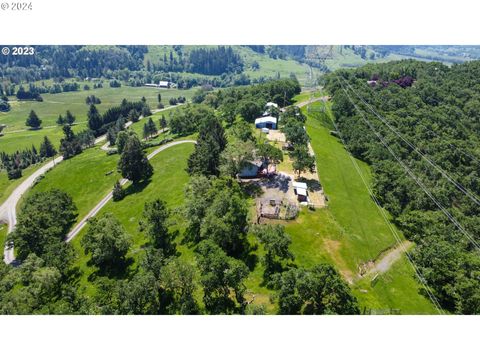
(459, 186)
(413, 176)
(397, 238)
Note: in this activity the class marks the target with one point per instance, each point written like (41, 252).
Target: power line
(412, 175)
(391, 228)
(459, 186)
(470, 156)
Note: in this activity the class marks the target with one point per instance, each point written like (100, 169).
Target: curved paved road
(8, 210)
(107, 198)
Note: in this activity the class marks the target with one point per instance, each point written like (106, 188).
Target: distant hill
(219, 66)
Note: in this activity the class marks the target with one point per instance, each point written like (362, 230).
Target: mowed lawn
(3, 235)
(7, 186)
(83, 177)
(351, 231)
(138, 126)
(367, 234)
(17, 136)
(167, 183)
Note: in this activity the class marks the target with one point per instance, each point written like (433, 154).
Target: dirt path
(387, 259)
(309, 101)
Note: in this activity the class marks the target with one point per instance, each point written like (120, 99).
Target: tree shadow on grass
(73, 275)
(118, 271)
(249, 257)
(312, 184)
(252, 189)
(137, 187)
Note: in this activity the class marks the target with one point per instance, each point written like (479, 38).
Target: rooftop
(265, 119)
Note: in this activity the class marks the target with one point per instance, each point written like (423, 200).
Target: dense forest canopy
(428, 114)
(215, 61)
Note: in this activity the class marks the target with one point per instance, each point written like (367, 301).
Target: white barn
(268, 122)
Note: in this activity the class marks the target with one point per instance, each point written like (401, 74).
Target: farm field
(17, 136)
(350, 231)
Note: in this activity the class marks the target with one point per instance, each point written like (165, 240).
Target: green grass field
(167, 183)
(3, 234)
(17, 136)
(7, 186)
(138, 126)
(350, 230)
(268, 67)
(83, 177)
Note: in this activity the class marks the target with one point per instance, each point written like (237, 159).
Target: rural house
(251, 169)
(257, 168)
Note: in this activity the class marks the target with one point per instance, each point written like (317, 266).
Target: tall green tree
(69, 118)
(33, 120)
(146, 131)
(155, 224)
(47, 149)
(178, 280)
(235, 157)
(133, 116)
(302, 160)
(152, 128)
(121, 140)
(107, 242)
(318, 291)
(276, 244)
(133, 162)
(163, 122)
(196, 203)
(225, 220)
(222, 279)
(95, 121)
(205, 160)
(43, 223)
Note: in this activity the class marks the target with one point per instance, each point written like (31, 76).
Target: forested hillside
(186, 66)
(418, 125)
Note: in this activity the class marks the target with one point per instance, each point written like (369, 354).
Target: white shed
(300, 189)
(271, 104)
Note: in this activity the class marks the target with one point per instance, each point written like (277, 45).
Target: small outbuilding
(268, 122)
(300, 190)
(270, 109)
(271, 104)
